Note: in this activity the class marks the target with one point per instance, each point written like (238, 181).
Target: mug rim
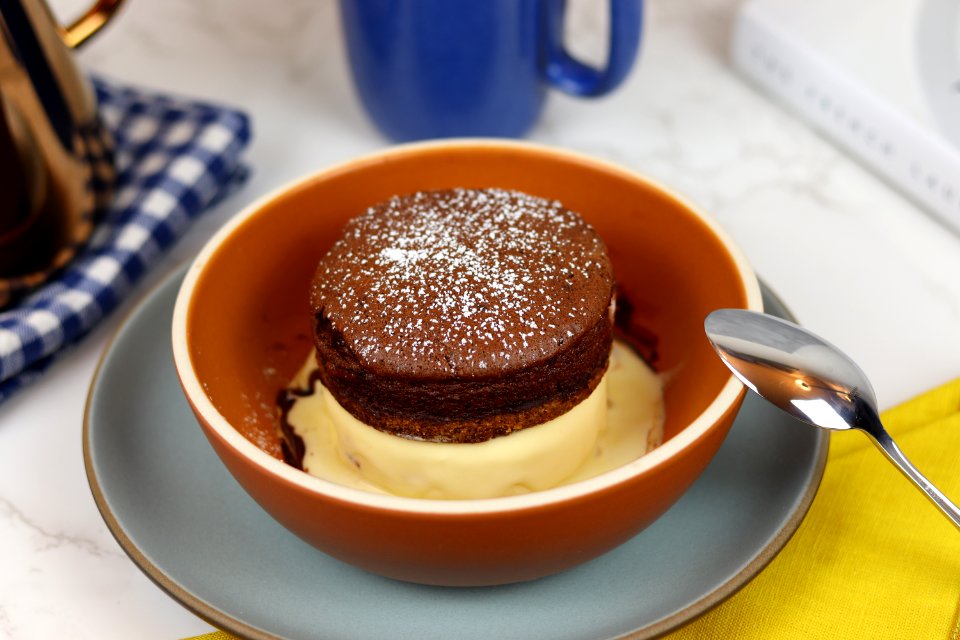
(213, 420)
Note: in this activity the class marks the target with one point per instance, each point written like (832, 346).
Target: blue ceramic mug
(442, 68)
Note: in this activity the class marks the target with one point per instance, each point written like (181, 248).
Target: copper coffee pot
(56, 158)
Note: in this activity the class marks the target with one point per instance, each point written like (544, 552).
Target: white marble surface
(853, 259)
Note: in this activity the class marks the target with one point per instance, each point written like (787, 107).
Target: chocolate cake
(463, 315)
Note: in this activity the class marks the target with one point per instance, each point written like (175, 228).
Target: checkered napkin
(174, 158)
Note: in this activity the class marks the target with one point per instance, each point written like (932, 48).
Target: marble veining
(42, 540)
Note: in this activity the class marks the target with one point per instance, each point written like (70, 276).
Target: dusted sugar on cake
(463, 315)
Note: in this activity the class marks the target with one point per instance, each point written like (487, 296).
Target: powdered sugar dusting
(463, 281)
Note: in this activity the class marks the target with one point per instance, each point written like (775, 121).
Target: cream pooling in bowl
(619, 422)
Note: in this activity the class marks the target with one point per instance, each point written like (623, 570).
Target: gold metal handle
(83, 28)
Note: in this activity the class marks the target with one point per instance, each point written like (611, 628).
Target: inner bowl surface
(242, 329)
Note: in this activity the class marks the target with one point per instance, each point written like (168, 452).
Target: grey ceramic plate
(186, 523)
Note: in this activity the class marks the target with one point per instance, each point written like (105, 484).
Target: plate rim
(764, 555)
(168, 585)
(231, 624)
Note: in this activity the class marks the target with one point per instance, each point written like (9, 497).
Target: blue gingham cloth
(174, 158)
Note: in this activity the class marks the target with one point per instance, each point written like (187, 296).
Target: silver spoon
(810, 379)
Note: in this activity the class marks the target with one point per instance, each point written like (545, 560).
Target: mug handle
(570, 75)
(84, 27)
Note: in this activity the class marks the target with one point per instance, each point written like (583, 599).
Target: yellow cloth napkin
(873, 558)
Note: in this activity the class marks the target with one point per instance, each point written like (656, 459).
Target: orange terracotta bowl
(241, 330)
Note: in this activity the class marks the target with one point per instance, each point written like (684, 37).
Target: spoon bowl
(809, 378)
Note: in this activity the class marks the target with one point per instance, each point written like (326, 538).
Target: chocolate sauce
(292, 444)
(629, 330)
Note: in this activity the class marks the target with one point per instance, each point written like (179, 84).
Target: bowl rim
(731, 391)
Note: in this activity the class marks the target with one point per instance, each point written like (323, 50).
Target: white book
(881, 78)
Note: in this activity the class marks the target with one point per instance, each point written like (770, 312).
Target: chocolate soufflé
(463, 315)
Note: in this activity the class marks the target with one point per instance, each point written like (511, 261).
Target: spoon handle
(882, 439)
